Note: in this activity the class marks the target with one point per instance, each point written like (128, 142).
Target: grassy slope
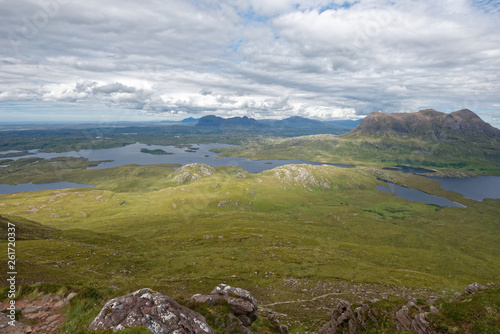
(281, 240)
(461, 156)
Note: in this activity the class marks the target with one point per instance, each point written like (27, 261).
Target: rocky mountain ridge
(427, 124)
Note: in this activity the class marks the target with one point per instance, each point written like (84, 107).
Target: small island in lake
(155, 152)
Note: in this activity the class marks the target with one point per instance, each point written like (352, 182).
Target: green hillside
(292, 233)
(459, 143)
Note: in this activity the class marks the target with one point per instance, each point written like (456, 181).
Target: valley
(299, 236)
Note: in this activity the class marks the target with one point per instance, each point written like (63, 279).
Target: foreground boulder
(153, 310)
(243, 304)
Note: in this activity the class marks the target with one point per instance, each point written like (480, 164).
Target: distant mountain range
(291, 122)
(216, 121)
(430, 125)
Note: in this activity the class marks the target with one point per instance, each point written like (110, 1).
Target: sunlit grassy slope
(184, 231)
(454, 157)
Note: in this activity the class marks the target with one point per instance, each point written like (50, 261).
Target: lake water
(131, 154)
(410, 170)
(476, 188)
(416, 195)
(8, 188)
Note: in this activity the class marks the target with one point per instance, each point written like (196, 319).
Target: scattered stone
(267, 313)
(18, 327)
(474, 287)
(153, 310)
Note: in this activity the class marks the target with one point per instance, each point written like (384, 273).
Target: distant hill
(298, 122)
(427, 124)
(294, 121)
(346, 123)
(292, 126)
(216, 121)
(189, 120)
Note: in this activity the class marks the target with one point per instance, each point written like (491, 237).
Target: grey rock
(283, 329)
(267, 313)
(243, 304)
(153, 310)
(474, 287)
(343, 318)
(6, 328)
(420, 326)
(403, 319)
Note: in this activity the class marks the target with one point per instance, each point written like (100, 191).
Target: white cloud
(314, 58)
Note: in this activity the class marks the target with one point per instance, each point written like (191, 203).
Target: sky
(124, 60)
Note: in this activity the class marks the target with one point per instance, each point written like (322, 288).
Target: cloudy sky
(105, 60)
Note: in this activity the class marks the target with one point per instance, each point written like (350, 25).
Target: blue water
(476, 188)
(410, 170)
(416, 195)
(8, 189)
(131, 154)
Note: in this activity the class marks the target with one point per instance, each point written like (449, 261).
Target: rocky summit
(426, 124)
(153, 310)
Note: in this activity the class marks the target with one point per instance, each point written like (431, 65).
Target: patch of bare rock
(44, 314)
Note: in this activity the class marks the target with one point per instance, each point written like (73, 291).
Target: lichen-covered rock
(153, 310)
(243, 304)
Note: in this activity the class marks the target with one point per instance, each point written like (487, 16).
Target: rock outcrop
(153, 310)
(243, 304)
(343, 319)
(192, 172)
(418, 324)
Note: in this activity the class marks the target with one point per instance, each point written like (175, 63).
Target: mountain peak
(465, 113)
(427, 124)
